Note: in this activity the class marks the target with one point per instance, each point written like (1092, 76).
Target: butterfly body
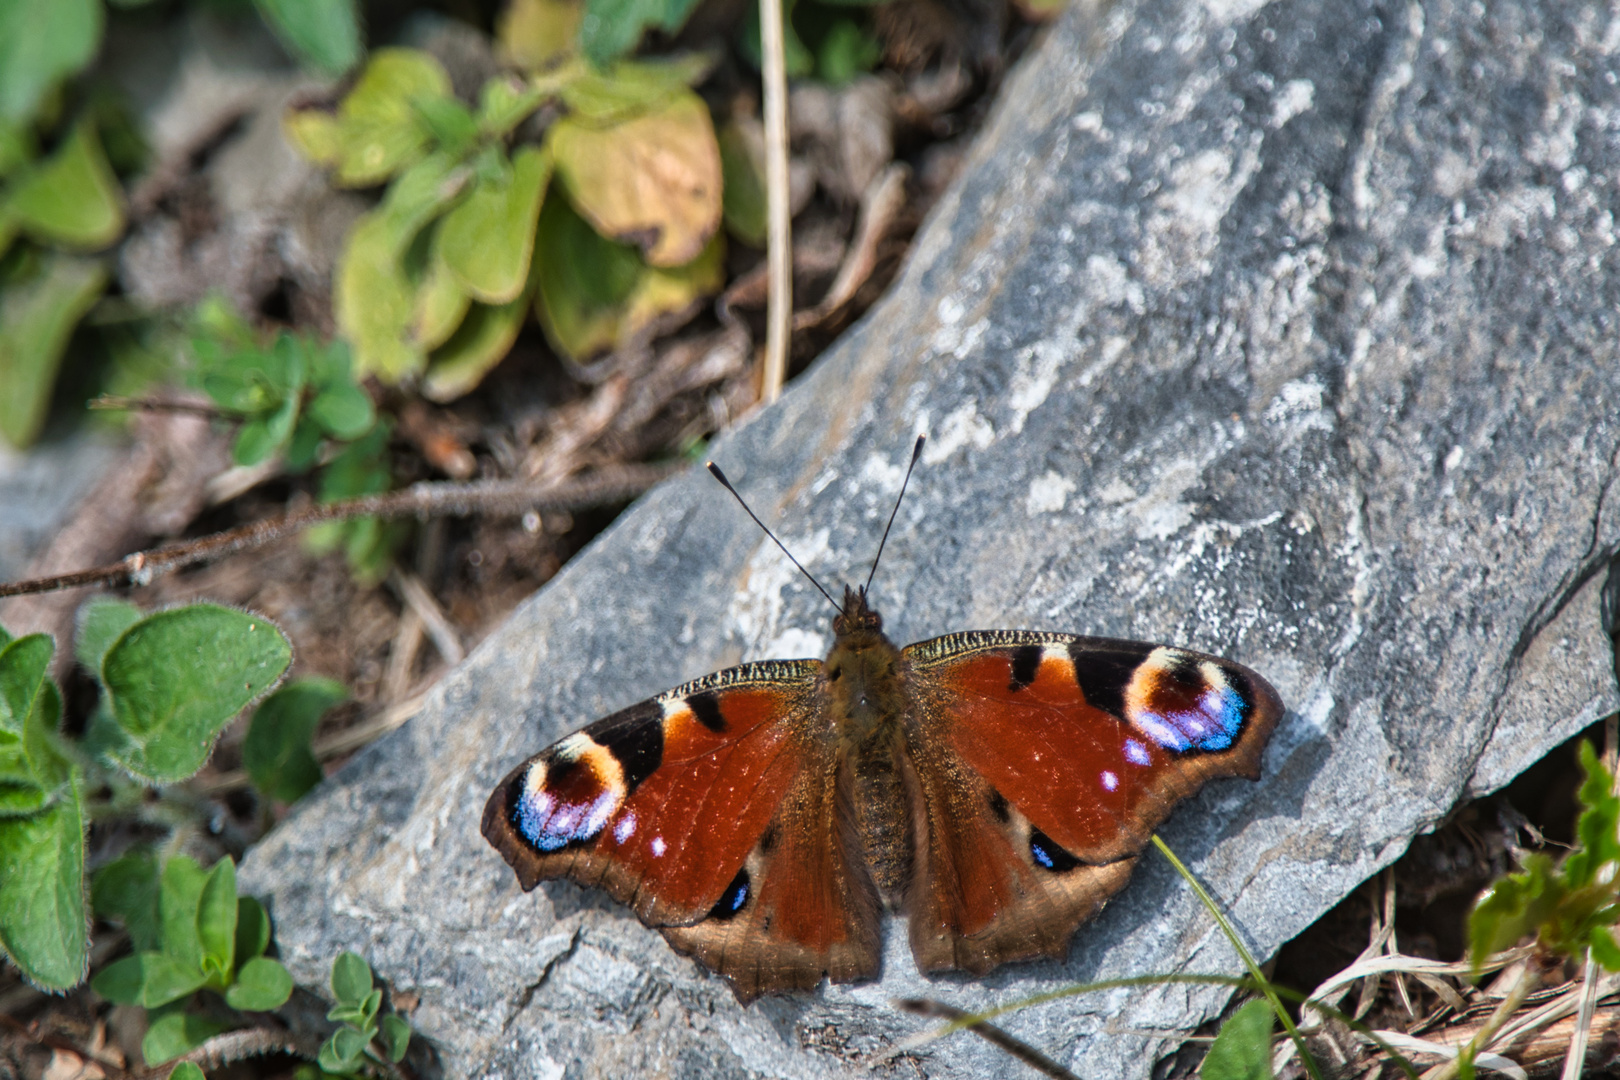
(994, 786)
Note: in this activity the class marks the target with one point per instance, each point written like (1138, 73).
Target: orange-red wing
(1058, 755)
(661, 803)
(715, 812)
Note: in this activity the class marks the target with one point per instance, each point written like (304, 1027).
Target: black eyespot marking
(1048, 854)
(706, 707)
(733, 899)
(1103, 675)
(998, 807)
(1026, 664)
(767, 841)
(639, 747)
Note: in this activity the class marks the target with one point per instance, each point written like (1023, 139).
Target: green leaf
(72, 198)
(378, 130)
(262, 984)
(262, 437)
(506, 101)
(323, 34)
(179, 897)
(41, 43)
(1604, 949)
(343, 1052)
(42, 913)
(351, 979)
(127, 890)
(396, 1037)
(174, 1033)
(595, 295)
(375, 294)
(630, 88)
(1597, 832)
(148, 979)
(344, 410)
(23, 664)
(369, 1008)
(216, 922)
(186, 1070)
(441, 302)
(276, 752)
(846, 52)
(742, 165)
(612, 28)
(177, 677)
(37, 318)
(450, 123)
(484, 338)
(101, 621)
(488, 239)
(252, 929)
(1242, 1048)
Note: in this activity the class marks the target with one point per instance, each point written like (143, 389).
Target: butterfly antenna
(916, 452)
(720, 476)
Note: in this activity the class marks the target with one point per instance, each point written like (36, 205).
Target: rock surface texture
(1285, 331)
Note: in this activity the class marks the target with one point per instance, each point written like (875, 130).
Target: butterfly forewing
(710, 810)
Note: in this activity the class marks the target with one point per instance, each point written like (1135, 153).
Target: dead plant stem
(778, 219)
(1504, 1012)
(424, 500)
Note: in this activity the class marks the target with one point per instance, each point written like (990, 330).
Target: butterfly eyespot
(1048, 854)
(733, 899)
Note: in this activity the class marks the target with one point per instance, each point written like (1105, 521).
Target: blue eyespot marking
(1136, 753)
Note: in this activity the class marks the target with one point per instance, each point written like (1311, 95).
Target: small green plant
(191, 933)
(609, 223)
(1570, 908)
(170, 682)
(367, 1036)
(1242, 1047)
(277, 752)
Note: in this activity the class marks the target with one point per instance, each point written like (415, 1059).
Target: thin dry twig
(778, 215)
(990, 1033)
(1485, 1037)
(437, 624)
(490, 497)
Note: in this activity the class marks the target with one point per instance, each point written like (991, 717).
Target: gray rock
(1283, 331)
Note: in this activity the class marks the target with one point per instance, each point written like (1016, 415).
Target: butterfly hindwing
(712, 812)
(1043, 762)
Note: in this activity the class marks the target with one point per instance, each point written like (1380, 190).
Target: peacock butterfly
(996, 786)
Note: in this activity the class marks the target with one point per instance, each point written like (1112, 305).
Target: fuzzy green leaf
(484, 338)
(148, 979)
(186, 1070)
(252, 929)
(342, 1053)
(180, 893)
(177, 677)
(216, 922)
(176, 1032)
(351, 979)
(276, 752)
(41, 43)
(1242, 1048)
(612, 28)
(344, 410)
(262, 984)
(72, 198)
(323, 34)
(396, 1037)
(379, 129)
(42, 917)
(101, 621)
(127, 890)
(488, 240)
(37, 317)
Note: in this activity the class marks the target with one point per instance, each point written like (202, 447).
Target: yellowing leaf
(36, 319)
(538, 33)
(375, 295)
(653, 180)
(630, 88)
(377, 130)
(487, 241)
(71, 199)
(595, 295)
